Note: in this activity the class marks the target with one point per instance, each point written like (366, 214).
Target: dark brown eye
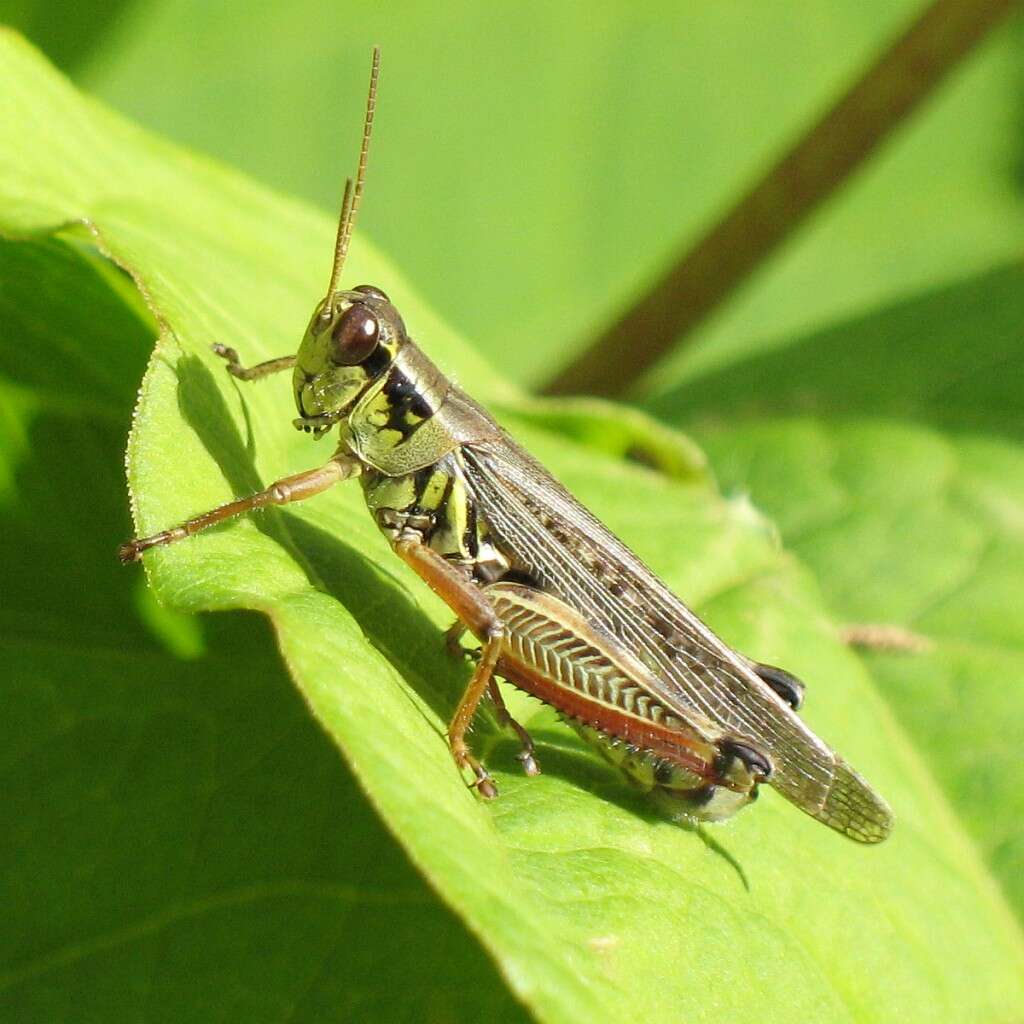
(355, 336)
(369, 289)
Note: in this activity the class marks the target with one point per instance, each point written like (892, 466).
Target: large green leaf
(534, 167)
(889, 451)
(181, 841)
(593, 907)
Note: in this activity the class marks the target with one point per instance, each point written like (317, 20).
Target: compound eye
(355, 336)
(369, 289)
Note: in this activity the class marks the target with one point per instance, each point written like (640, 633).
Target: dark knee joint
(756, 764)
(787, 686)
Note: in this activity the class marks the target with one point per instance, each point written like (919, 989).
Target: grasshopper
(561, 608)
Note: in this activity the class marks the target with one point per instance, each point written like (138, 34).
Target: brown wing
(570, 554)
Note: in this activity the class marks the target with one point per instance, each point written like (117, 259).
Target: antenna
(350, 201)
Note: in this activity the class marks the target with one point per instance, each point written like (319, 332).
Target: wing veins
(805, 769)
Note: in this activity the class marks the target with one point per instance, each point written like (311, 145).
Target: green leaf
(591, 905)
(617, 430)
(531, 173)
(889, 451)
(181, 841)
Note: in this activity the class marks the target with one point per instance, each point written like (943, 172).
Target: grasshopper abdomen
(610, 698)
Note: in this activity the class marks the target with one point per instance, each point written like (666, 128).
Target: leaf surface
(181, 841)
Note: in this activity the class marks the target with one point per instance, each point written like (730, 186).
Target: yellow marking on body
(433, 492)
(377, 417)
(449, 537)
(456, 508)
(410, 419)
(389, 438)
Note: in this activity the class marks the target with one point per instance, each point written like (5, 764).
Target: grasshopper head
(353, 335)
(352, 339)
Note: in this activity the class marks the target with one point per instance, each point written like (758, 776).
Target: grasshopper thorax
(352, 339)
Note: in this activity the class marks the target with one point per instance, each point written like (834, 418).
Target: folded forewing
(569, 553)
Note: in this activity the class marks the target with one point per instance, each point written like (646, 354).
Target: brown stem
(820, 161)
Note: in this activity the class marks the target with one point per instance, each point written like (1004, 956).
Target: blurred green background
(534, 167)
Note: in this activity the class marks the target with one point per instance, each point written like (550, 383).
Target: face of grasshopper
(352, 339)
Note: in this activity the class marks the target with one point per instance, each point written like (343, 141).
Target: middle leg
(526, 755)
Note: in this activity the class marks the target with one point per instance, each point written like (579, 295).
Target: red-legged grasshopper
(562, 609)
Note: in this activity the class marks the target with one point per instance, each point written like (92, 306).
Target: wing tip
(853, 808)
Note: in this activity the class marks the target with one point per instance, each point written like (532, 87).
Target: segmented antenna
(350, 201)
